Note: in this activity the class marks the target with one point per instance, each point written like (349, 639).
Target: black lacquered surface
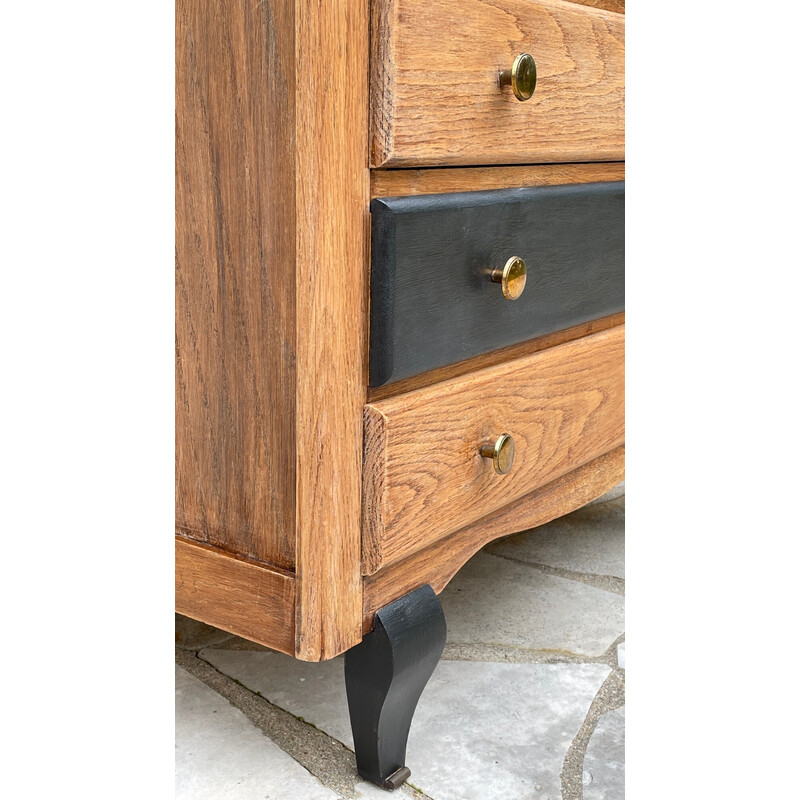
(432, 301)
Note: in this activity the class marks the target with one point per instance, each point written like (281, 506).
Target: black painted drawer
(432, 302)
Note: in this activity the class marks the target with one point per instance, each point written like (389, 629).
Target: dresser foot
(385, 675)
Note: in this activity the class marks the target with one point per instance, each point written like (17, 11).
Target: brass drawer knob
(521, 77)
(512, 277)
(501, 453)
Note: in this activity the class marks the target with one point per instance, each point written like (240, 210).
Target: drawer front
(436, 98)
(424, 475)
(433, 302)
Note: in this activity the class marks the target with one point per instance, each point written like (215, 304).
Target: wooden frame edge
(439, 180)
(331, 260)
(249, 600)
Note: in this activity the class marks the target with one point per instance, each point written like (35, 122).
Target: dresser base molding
(258, 603)
(385, 676)
(436, 565)
(238, 596)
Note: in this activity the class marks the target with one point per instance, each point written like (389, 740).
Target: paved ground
(527, 702)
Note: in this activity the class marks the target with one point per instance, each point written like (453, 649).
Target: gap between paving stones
(322, 755)
(609, 583)
(610, 696)
(511, 654)
(334, 764)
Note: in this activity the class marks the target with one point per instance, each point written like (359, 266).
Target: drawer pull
(501, 453)
(512, 277)
(521, 77)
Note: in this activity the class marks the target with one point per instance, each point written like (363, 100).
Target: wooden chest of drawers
(339, 421)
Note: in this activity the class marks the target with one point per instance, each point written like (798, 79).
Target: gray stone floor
(527, 702)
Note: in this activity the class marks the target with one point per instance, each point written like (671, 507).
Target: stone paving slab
(509, 713)
(221, 755)
(482, 730)
(493, 600)
(590, 540)
(604, 763)
(314, 692)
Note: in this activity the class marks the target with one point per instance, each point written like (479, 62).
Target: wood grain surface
(272, 194)
(400, 182)
(423, 475)
(432, 301)
(438, 563)
(609, 5)
(235, 305)
(435, 98)
(332, 177)
(495, 357)
(238, 596)
(272, 191)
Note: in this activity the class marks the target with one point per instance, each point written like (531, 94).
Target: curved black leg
(385, 675)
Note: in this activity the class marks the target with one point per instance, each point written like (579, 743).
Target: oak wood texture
(438, 563)
(432, 300)
(272, 192)
(399, 182)
(423, 475)
(272, 232)
(435, 98)
(494, 357)
(235, 363)
(609, 5)
(247, 599)
(332, 184)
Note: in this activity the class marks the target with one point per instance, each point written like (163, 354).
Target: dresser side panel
(235, 296)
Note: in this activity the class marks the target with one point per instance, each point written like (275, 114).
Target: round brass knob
(512, 277)
(501, 453)
(521, 77)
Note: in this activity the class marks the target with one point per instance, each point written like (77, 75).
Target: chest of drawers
(362, 400)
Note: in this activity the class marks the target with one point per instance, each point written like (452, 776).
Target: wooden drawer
(435, 96)
(423, 474)
(432, 300)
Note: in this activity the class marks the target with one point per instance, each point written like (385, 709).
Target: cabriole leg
(385, 675)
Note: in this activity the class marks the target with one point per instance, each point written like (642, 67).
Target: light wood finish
(235, 306)
(435, 98)
(438, 563)
(332, 258)
(272, 232)
(272, 235)
(237, 596)
(423, 475)
(609, 5)
(495, 357)
(400, 182)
